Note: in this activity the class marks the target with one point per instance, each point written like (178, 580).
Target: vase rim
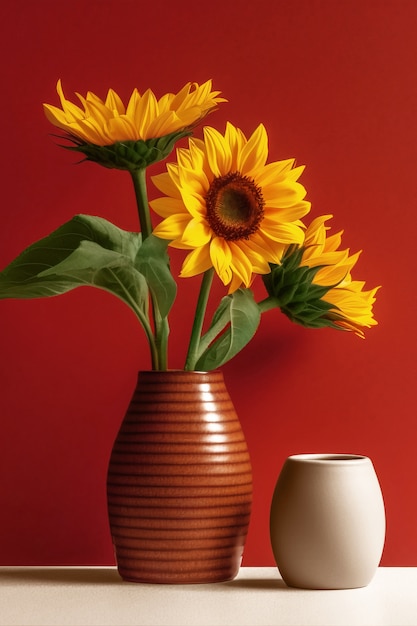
(179, 371)
(179, 375)
(326, 458)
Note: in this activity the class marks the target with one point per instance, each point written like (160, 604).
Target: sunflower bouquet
(233, 214)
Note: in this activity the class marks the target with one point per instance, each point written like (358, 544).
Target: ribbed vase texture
(179, 484)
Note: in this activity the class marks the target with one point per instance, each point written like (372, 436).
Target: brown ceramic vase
(179, 484)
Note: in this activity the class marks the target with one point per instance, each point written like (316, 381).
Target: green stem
(212, 333)
(161, 338)
(139, 183)
(149, 335)
(193, 348)
(159, 342)
(268, 304)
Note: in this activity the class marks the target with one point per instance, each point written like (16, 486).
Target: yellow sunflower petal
(121, 128)
(234, 284)
(196, 154)
(193, 203)
(56, 116)
(145, 113)
(254, 154)
(284, 194)
(271, 250)
(289, 214)
(164, 182)
(257, 256)
(198, 158)
(162, 125)
(172, 227)
(218, 152)
(166, 207)
(94, 106)
(196, 262)
(241, 264)
(331, 275)
(274, 172)
(91, 97)
(199, 96)
(235, 139)
(173, 172)
(294, 174)
(353, 307)
(91, 131)
(164, 103)
(196, 234)
(149, 117)
(72, 112)
(312, 258)
(333, 242)
(285, 233)
(316, 232)
(114, 102)
(221, 257)
(195, 182)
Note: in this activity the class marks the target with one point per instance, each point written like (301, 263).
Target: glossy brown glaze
(179, 483)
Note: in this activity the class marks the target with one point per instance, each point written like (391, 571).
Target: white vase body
(327, 522)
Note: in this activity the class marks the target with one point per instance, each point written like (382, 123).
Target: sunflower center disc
(235, 206)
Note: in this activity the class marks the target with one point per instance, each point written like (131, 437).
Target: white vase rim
(326, 458)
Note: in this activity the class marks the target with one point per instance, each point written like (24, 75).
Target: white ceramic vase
(327, 521)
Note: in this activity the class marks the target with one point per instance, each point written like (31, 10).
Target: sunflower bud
(291, 285)
(130, 155)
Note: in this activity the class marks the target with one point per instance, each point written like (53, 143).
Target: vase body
(327, 521)
(179, 483)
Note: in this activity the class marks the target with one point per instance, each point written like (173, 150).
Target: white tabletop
(80, 596)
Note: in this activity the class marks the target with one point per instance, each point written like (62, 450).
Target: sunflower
(313, 285)
(131, 137)
(105, 122)
(351, 305)
(230, 209)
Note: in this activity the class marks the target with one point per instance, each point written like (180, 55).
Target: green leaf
(220, 320)
(152, 261)
(86, 250)
(92, 265)
(244, 314)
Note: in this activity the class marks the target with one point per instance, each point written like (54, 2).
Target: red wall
(335, 84)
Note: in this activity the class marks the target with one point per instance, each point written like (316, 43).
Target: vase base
(329, 586)
(178, 578)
